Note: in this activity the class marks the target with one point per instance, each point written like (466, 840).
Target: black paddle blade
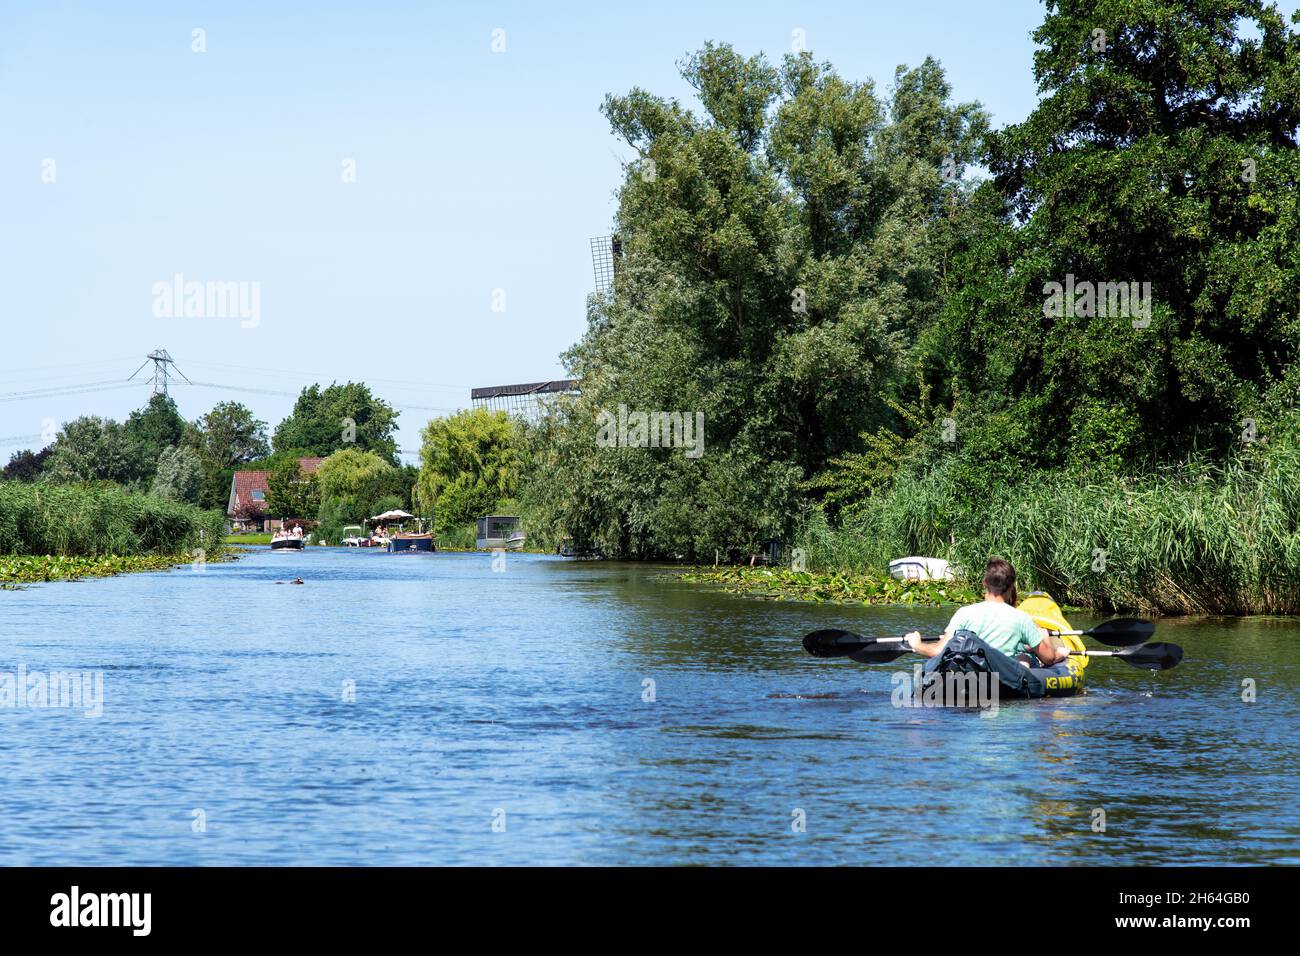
(833, 642)
(879, 653)
(1123, 631)
(1152, 657)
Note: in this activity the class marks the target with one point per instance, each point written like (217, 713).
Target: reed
(1193, 539)
(96, 521)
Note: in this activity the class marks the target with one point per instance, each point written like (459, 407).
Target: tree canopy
(781, 253)
(327, 420)
(468, 466)
(1163, 151)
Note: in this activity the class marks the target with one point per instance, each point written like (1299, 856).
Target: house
(246, 507)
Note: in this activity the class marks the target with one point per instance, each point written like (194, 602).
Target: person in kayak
(999, 623)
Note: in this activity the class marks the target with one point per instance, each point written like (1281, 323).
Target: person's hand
(913, 639)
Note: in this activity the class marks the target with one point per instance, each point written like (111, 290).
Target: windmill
(605, 253)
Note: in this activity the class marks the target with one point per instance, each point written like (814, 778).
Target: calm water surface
(517, 696)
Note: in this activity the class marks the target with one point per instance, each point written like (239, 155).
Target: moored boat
(917, 568)
(361, 539)
(499, 532)
(401, 539)
(410, 542)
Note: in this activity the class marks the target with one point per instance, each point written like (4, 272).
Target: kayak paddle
(1151, 657)
(833, 642)
(1118, 631)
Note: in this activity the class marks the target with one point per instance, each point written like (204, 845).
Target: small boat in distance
(286, 540)
(358, 540)
(401, 539)
(499, 531)
(917, 568)
(567, 549)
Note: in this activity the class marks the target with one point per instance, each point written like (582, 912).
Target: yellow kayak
(965, 653)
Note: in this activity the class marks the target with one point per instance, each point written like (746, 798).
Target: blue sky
(475, 171)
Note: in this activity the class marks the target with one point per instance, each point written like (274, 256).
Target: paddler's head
(1000, 581)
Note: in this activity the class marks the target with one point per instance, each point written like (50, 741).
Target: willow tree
(780, 250)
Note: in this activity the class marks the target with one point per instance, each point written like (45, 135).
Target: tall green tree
(1162, 151)
(179, 475)
(153, 429)
(226, 438)
(327, 420)
(468, 466)
(91, 448)
(782, 250)
(359, 477)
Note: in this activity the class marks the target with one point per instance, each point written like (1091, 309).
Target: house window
(259, 495)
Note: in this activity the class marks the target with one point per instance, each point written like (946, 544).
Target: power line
(271, 391)
(322, 376)
(62, 390)
(56, 371)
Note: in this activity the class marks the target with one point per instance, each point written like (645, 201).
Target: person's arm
(1050, 650)
(927, 648)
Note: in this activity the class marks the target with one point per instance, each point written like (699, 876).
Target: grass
(837, 586)
(248, 538)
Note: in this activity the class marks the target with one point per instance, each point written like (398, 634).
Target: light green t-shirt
(1005, 628)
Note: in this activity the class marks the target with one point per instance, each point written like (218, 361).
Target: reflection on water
(603, 714)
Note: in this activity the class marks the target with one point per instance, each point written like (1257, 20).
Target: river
(430, 709)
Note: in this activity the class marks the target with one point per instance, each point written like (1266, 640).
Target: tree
(777, 269)
(468, 465)
(178, 475)
(225, 438)
(25, 465)
(229, 435)
(153, 429)
(1162, 152)
(359, 476)
(327, 420)
(290, 493)
(91, 448)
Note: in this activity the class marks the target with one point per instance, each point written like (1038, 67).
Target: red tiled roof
(245, 483)
(242, 488)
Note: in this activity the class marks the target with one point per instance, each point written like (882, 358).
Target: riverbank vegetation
(847, 587)
(850, 323)
(1083, 359)
(101, 520)
(16, 571)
